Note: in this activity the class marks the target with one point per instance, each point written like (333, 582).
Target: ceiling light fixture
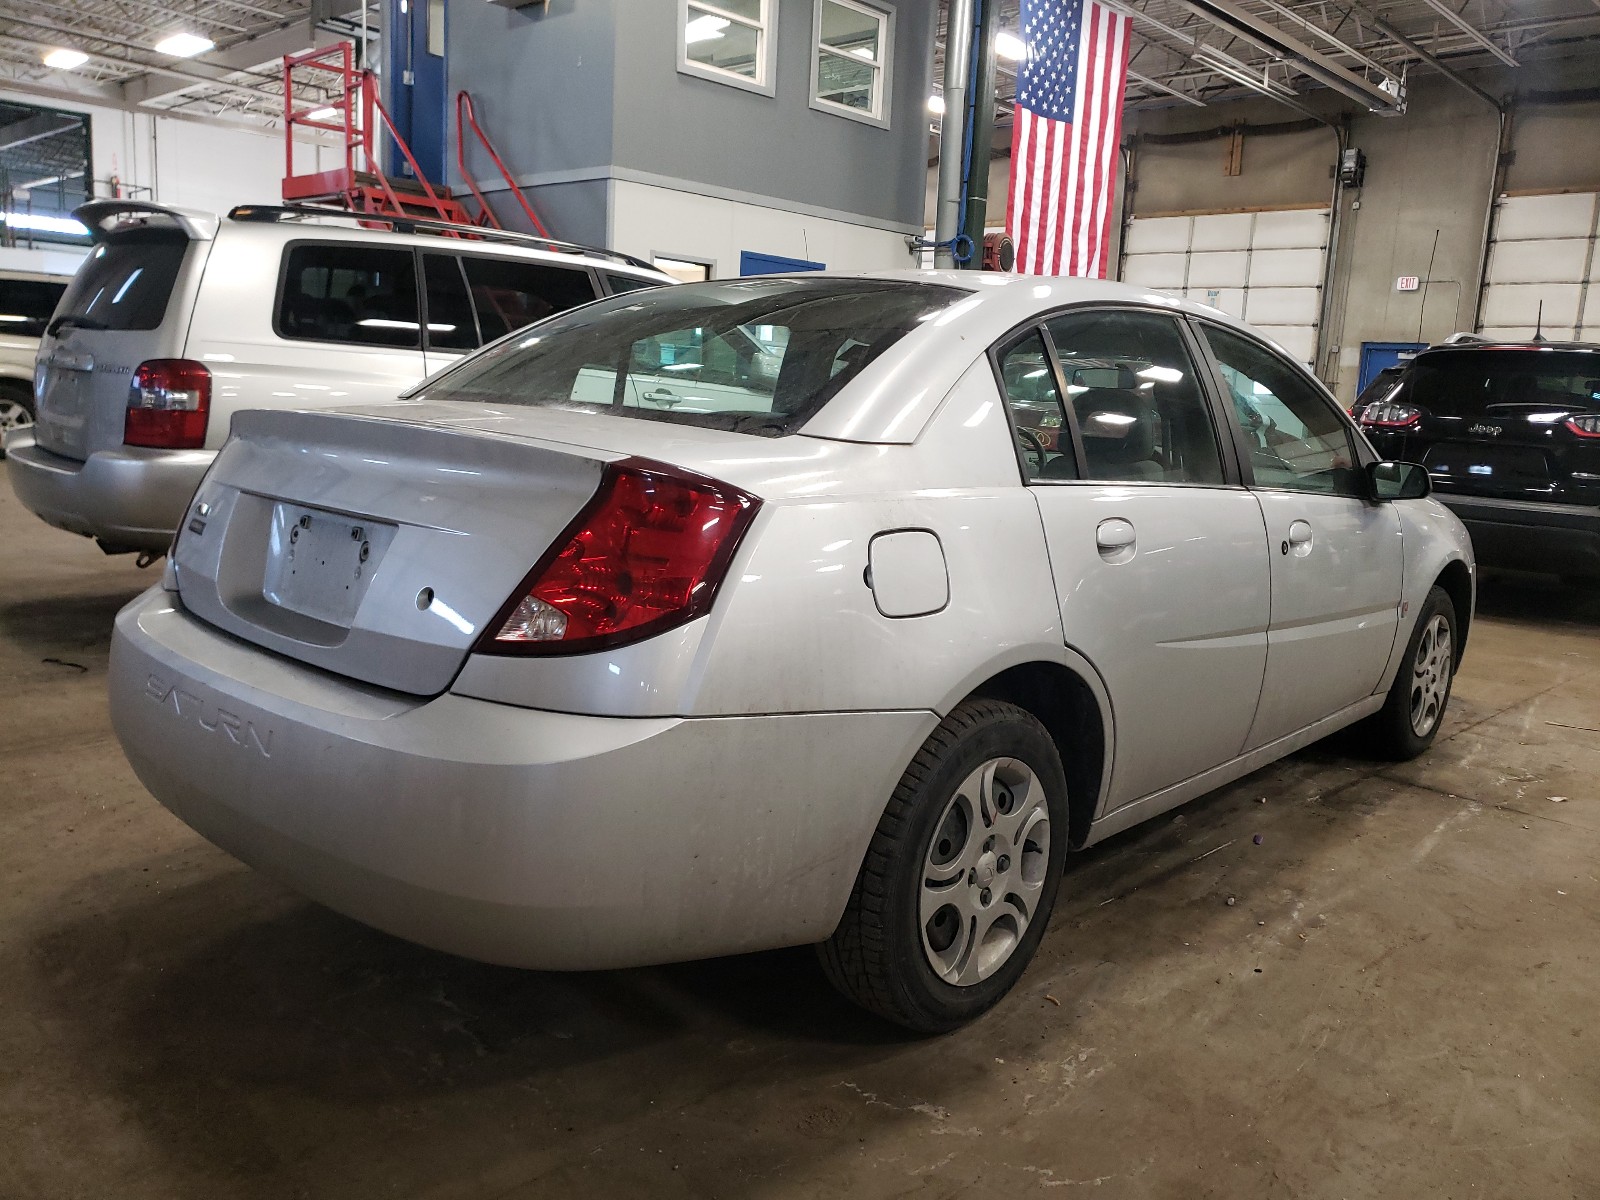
(936, 104)
(1010, 46)
(703, 29)
(63, 59)
(184, 45)
(322, 114)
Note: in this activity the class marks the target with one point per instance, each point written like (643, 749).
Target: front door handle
(1300, 538)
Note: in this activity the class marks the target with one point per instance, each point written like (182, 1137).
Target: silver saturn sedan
(829, 609)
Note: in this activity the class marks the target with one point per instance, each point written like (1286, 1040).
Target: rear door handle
(1115, 538)
(1301, 535)
(71, 362)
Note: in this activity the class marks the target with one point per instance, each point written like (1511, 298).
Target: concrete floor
(1398, 1005)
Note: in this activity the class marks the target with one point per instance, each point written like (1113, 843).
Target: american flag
(1067, 129)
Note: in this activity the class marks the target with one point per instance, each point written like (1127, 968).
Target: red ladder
(354, 113)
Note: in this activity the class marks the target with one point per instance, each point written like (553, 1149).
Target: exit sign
(1407, 283)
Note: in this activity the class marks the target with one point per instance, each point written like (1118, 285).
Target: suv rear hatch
(1517, 423)
(128, 303)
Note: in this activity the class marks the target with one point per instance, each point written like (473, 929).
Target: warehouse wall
(185, 161)
(680, 127)
(648, 220)
(1430, 175)
(726, 164)
(1429, 179)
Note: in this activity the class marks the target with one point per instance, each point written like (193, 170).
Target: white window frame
(884, 68)
(766, 30)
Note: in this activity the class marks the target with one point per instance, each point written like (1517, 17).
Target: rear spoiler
(102, 218)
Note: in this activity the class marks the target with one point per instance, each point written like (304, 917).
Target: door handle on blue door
(1299, 539)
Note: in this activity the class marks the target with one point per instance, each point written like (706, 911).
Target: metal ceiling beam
(1172, 91)
(240, 56)
(1405, 43)
(193, 73)
(1308, 59)
(1327, 35)
(35, 128)
(1466, 27)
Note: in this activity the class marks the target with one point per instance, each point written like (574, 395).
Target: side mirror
(1398, 481)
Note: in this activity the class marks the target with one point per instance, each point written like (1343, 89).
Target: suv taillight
(169, 403)
(1586, 425)
(646, 554)
(1384, 415)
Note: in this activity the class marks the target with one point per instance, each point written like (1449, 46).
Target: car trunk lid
(377, 549)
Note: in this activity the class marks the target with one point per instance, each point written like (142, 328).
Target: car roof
(305, 222)
(897, 393)
(1475, 346)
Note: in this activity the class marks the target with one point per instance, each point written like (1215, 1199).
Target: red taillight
(1384, 415)
(169, 403)
(1585, 425)
(646, 554)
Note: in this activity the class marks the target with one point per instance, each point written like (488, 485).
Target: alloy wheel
(984, 871)
(1430, 675)
(13, 416)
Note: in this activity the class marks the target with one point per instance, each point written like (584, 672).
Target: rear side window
(26, 305)
(1503, 383)
(357, 294)
(509, 294)
(630, 283)
(126, 281)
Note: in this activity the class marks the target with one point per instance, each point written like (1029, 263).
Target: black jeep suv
(1510, 435)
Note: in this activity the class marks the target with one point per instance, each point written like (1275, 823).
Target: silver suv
(179, 319)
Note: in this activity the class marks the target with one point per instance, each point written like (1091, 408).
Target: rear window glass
(26, 305)
(1491, 383)
(753, 356)
(355, 294)
(126, 281)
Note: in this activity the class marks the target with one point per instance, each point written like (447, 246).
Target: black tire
(876, 956)
(1390, 733)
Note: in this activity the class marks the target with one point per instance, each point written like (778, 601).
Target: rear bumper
(129, 498)
(511, 835)
(1561, 539)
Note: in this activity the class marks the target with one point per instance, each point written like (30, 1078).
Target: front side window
(1295, 435)
(750, 356)
(1135, 396)
(359, 295)
(850, 61)
(509, 294)
(729, 41)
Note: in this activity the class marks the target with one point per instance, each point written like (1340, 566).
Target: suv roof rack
(305, 212)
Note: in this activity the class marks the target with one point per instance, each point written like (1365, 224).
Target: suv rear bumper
(129, 498)
(1525, 535)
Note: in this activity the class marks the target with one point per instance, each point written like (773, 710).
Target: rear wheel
(16, 406)
(1410, 718)
(961, 875)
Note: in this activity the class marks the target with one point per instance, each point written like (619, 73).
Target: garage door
(1265, 267)
(1543, 251)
